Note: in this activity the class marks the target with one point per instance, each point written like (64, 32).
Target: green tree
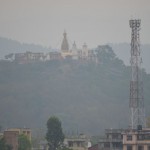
(105, 54)
(9, 147)
(3, 145)
(54, 135)
(24, 142)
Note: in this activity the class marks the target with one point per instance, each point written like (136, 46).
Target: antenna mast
(136, 85)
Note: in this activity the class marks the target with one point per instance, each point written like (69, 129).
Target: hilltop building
(28, 56)
(65, 45)
(74, 51)
(87, 54)
(83, 53)
(54, 56)
(65, 52)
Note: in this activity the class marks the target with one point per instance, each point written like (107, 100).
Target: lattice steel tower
(136, 84)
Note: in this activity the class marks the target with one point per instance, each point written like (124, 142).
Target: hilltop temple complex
(64, 52)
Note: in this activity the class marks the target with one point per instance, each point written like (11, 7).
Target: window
(129, 147)
(148, 147)
(140, 137)
(140, 147)
(117, 145)
(115, 136)
(70, 143)
(107, 145)
(147, 137)
(78, 144)
(129, 137)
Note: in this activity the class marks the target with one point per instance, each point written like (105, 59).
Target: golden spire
(65, 45)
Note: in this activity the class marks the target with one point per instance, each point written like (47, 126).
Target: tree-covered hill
(86, 96)
(8, 46)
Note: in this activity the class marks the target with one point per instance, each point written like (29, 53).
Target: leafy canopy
(54, 135)
(24, 142)
(3, 145)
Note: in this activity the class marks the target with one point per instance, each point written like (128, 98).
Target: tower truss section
(137, 111)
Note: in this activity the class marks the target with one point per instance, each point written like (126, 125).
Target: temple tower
(65, 45)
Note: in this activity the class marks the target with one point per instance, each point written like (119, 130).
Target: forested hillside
(8, 46)
(87, 97)
(122, 50)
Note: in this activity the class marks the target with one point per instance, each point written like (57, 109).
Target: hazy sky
(92, 21)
